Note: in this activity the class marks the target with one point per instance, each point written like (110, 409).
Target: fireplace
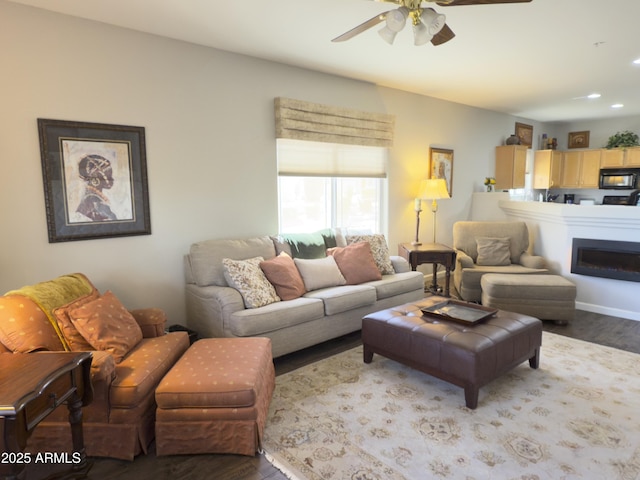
(606, 258)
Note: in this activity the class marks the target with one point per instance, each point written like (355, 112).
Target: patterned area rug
(576, 417)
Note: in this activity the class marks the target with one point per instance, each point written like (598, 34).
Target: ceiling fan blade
(372, 22)
(453, 3)
(442, 36)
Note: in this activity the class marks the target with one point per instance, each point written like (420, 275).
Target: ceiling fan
(428, 25)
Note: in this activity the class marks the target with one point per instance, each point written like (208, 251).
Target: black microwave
(619, 178)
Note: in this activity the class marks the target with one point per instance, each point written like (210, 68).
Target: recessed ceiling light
(617, 105)
(637, 61)
(594, 95)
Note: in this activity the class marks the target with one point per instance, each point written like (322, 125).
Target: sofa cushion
(344, 298)
(276, 316)
(282, 273)
(319, 273)
(24, 327)
(493, 251)
(247, 277)
(107, 325)
(142, 369)
(205, 258)
(75, 340)
(398, 284)
(379, 250)
(356, 263)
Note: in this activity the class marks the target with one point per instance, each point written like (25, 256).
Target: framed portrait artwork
(525, 133)
(579, 139)
(95, 180)
(441, 166)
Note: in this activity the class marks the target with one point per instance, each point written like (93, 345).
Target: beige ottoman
(548, 297)
(215, 399)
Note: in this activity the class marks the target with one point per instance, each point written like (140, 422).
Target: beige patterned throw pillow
(247, 277)
(379, 250)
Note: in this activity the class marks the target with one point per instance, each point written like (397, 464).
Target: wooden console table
(32, 385)
(434, 253)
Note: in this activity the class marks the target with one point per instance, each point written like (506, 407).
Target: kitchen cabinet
(547, 169)
(611, 158)
(632, 157)
(580, 169)
(620, 157)
(511, 162)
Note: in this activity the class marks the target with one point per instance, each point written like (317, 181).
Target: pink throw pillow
(356, 263)
(24, 327)
(282, 273)
(72, 336)
(107, 325)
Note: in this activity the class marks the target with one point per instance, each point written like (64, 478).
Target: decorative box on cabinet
(547, 169)
(511, 161)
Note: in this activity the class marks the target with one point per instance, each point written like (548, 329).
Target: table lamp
(433, 189)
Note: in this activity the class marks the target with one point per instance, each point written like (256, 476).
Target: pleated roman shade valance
(299, 120)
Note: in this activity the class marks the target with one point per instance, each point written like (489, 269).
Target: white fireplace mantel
(598, 216)
(553, 226)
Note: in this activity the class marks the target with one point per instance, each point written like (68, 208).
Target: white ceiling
(535, 60)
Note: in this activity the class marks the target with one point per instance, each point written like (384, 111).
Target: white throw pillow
(319, 273)
(247, 277)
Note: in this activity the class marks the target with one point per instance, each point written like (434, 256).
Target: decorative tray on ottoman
(462, 312)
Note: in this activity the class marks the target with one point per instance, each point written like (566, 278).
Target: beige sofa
(491, 247)
(216, 309)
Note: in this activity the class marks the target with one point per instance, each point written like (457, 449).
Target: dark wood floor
(610, 331)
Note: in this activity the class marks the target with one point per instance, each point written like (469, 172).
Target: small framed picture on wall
(441, 166)
(525, 133)
(579, 139)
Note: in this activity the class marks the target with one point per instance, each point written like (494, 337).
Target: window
(322, 185)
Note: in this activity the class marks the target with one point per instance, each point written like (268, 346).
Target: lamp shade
(395, 21)
(421, 34)
(433, 189)
(434, 21)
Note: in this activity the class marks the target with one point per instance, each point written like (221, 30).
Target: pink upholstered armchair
(49, 316)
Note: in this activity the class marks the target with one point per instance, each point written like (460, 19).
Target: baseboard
(613, 312)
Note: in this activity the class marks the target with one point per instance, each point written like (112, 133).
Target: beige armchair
(491, 247)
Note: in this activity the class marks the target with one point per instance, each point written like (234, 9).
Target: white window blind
(320, 159)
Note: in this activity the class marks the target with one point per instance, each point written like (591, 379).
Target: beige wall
(210, 146)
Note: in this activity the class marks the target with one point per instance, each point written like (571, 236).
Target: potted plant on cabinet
(623, 139)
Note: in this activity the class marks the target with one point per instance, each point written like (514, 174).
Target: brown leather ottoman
(467, 356)
(215, 399)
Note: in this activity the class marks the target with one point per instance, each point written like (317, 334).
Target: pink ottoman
(215, 399)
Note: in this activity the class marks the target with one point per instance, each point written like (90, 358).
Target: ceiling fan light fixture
(395, 21)
(421, 34)
(433, 20)
(387, 35)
